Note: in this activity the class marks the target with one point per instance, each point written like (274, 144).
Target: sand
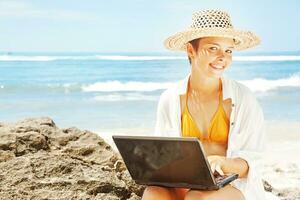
(282, 160)
(38, 160)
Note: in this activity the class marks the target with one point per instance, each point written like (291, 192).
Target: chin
(216, 75)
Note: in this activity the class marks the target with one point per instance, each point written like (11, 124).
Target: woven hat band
(211, 19)
(212, 23)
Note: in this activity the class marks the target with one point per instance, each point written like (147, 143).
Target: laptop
(170, 162)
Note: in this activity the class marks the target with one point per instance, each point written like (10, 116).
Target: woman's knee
(156, 192)
(195, 195)
(224, 193)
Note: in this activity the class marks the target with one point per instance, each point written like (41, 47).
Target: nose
(221, 59)
(221, 55)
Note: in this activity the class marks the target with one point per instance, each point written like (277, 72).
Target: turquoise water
(119, 92)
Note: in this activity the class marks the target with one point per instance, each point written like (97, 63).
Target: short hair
(195, 45)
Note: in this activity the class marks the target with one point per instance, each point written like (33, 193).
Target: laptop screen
(176, 160)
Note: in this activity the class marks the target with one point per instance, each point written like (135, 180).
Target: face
(213, 56)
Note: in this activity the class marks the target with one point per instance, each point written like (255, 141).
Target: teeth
(218, 66)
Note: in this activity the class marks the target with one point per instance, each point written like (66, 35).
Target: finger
(210, 159)
(213, 167)
(219, 170)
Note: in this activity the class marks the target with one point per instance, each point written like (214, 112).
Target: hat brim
(242, 39)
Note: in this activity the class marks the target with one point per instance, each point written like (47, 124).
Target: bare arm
(229, 165)
(236, 165)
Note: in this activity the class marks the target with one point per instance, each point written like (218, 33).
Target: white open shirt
(246, 133)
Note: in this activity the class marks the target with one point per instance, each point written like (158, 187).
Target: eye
(228, 51)
(213, 48)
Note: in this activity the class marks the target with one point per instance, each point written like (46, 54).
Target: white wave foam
(266, 58)
(66, 87)
(263, 85)
(256, 85)
(26, 58)
(140, 58)
(44, 58)
(126, 97)
(235, 58)
(97, 57)
(116, 86)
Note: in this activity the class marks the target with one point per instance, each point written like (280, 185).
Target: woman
(222, 113)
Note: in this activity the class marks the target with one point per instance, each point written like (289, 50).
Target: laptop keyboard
(219, 177)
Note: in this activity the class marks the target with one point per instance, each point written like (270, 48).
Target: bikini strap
(187, 93)
(220, 92)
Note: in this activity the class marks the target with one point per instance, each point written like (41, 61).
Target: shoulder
(241, 91)
(245, 99)
(169, 98)
(172, 92)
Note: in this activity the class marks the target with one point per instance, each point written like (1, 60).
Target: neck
(203, 84)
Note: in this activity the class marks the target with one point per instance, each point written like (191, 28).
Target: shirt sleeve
(161, 116)
(251, 145)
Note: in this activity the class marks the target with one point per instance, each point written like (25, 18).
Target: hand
(217, 163)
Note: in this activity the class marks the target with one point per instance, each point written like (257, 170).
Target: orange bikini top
(218, 128)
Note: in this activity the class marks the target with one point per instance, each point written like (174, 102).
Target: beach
(39, 160)
(118, 94)
(281, 159)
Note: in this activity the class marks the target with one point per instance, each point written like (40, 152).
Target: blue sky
(135, 25)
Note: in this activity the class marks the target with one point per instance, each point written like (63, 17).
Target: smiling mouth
(217, 67)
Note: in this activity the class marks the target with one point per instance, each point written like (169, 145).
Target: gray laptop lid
(165, 160)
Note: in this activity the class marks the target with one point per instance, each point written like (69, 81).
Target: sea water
(118, 92)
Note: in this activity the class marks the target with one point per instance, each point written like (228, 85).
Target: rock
(6, 155)
(40, 161)
(268, 187)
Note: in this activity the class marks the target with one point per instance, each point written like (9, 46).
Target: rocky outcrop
(40, 161)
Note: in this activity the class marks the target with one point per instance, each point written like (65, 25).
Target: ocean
(118, 92)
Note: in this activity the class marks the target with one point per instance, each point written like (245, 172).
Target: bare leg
(163, 193)
(180, 193)
(155, 192)
(226, 193)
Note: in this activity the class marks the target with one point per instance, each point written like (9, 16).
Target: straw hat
(212, 23)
